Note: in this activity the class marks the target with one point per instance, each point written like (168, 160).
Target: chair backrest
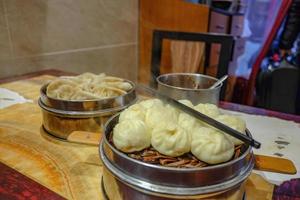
(226, 42)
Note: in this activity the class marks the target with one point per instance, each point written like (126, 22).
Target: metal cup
(191, 86)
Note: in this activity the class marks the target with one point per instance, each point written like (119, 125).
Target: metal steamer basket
(63, 117)
(127, 178)
(192, 86)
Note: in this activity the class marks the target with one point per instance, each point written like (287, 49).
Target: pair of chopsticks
(246, 139)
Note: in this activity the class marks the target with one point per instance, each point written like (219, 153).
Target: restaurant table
(34, 165)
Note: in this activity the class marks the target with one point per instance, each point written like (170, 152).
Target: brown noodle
(188, 160)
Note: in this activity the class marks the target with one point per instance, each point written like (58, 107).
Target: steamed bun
(235, 123)
(187, 122)
(133, 112)
(210, 110)
(150, 103)
(171, 140)
(211, 146)
(159, 116)
(131, 135)
(186, 102)
(174, 133)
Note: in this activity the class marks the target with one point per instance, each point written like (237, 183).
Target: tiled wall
(72, 35)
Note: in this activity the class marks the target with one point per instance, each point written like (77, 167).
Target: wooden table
(69, 170)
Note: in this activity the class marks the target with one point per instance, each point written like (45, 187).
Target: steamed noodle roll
(83, 95)
(125, 86)
(103, 91)
(65, 92)
(89, 86)
(87, 77)
(57, 88)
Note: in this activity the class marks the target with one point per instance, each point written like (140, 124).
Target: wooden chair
(225, 41)
(175, 15)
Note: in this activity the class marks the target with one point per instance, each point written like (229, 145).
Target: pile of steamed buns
(173, 133)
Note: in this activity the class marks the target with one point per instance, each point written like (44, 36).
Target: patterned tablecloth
(16, 186)
(71, 170)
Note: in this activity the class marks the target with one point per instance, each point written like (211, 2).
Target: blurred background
(72, 35)
(116, 37)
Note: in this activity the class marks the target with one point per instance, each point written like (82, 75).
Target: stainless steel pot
(61, 117)
(133, 179)
(189, 86)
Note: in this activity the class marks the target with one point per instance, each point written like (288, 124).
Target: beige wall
(72, 35)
